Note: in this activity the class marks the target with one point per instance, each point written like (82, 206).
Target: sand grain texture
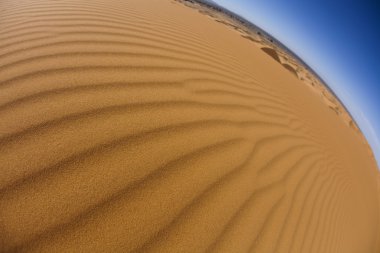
(146, 126)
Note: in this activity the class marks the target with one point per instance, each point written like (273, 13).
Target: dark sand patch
(272, 53)
(291, 69)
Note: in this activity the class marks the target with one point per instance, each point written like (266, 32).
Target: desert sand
(159, 126)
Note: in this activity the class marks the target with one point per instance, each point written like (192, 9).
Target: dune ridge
(146, 126)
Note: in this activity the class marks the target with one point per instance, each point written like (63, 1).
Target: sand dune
(146, 126)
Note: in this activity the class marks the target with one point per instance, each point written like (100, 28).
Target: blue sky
(339, 39)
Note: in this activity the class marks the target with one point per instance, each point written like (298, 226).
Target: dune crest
(146, 126)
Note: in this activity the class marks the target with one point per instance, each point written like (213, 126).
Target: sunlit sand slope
(146, 126)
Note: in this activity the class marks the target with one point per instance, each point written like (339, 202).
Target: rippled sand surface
(146, 126)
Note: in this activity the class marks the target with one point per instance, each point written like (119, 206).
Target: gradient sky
(339, 39)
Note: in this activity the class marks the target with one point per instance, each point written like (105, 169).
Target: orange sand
(147, 126)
